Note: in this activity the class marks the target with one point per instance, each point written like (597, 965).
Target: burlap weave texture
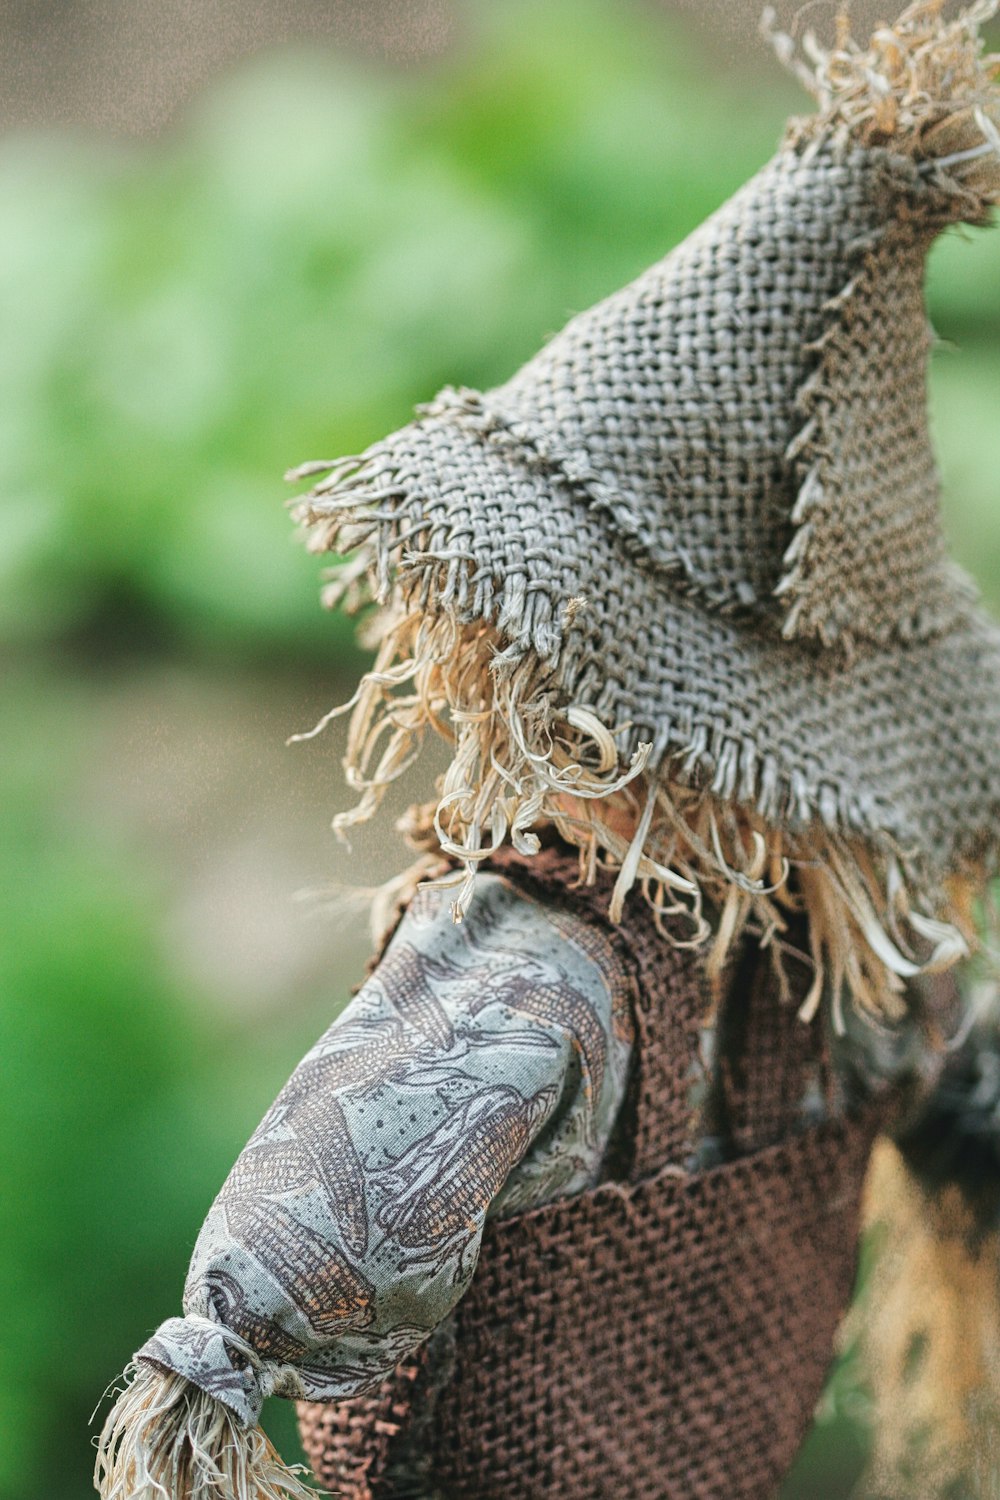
(711, 504)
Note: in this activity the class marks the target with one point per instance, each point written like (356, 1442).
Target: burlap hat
(696, 542)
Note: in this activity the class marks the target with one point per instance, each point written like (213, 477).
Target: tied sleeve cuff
(221, 1363)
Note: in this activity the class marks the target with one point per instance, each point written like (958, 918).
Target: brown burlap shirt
(664, 1332)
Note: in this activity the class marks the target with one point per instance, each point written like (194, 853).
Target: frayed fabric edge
(524, 759)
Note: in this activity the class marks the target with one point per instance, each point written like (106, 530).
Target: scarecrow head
(680, 588)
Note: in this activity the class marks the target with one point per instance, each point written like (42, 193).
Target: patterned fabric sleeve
(478, 1071)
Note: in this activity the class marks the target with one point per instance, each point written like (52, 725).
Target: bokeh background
(232, 237)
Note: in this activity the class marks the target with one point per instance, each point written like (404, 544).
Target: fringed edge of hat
(923, 87)
(523, 759)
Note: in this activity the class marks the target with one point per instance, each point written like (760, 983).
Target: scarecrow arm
(479, 1070)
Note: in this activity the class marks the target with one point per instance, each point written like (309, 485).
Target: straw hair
(520, 763)
(928, 1323)
(900, 90)
(167, 1440)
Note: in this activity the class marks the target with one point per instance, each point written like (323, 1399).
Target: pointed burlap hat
(691, 553)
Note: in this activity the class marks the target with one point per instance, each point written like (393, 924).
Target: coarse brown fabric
(667, 1334)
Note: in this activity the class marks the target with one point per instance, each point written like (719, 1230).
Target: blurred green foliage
(317, 249)
(321, 245)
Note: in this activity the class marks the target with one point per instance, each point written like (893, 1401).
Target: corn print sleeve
(479, 1071)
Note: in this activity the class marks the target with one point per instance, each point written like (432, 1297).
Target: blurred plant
(320, 247)
(97, 1106)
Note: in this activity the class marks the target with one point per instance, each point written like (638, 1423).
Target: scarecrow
(565, 1203)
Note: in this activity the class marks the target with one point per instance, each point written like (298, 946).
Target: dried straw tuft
(522, 760)
(922, 86)
(167, 1440)
(928, 1327)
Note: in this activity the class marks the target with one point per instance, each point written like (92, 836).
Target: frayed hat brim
(893, 743)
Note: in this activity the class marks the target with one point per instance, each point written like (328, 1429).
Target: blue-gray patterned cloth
(479, 1071)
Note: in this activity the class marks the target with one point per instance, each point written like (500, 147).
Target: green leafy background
(316, 246)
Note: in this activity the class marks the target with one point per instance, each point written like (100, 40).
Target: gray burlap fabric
(711, 505)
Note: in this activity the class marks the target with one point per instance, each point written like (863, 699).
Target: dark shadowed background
(234, 236)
